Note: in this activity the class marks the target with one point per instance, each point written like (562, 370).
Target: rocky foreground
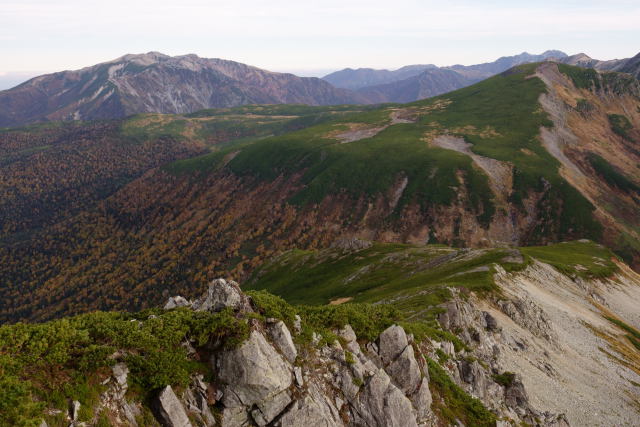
(271, 380)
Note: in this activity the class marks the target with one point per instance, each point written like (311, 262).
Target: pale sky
(310, 37)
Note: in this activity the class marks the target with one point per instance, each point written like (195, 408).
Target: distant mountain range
(157, 83)
(628, 65)
(415, 82)
(154, 82)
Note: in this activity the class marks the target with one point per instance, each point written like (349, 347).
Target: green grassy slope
(500, 116)
(415, 279)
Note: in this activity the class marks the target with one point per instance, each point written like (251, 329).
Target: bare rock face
(281, 337)
(170, 411)
(391, 343)
(114, 398)
(351, 244)
(314, 409)
(196, 402)
(177, 301)
(220, 295)
(255, 374)
(381, 403)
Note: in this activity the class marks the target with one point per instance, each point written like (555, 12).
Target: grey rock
(253, 372)
(195, 398)
(235, 417)
(347, 334)
(422, 401)
(169, 410)
(297, 372)
(43, 423)
(120, 374)
(220, 295)
(515, 396)
(491, 322)
(175, 302)
(351, 244)
(270, 408)
(74, 409)
(381, 403)
(311, 411)
(391, 343)
(297, 324)
(405, 372)
(448, 348)
(281, 337)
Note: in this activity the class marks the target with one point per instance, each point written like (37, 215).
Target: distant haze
(305, 37)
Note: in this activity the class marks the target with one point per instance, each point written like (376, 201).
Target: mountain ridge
(529, 157)
(154, 82)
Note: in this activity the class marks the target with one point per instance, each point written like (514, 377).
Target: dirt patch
(339, 301)
(358, 131)
(500, 173)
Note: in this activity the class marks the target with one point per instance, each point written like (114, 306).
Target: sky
(308, 37)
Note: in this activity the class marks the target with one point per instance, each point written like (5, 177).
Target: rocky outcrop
(222, 294)
(272, 379)
(170, 411)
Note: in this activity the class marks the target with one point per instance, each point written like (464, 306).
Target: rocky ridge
(158, 83)
(272, 379)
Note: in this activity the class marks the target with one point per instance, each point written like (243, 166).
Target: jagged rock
(252, 374)
(195, 398)
(391, 343)
(351, 244)
(311, 411)
(120, 373)
(297, 372)
(222, 294)
(74, 409)
(405, 372)
(380, 403)
(281, 337)
(515, 395)
(422, 401)
(169, 410)
(297, 324)
(347, 334)
(235, 417)
(490, 321)
(529, 315)
(176, 301)
(448, 348)
(268, 409)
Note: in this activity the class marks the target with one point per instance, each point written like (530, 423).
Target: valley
(470, 258)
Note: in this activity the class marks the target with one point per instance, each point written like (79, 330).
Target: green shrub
(456, 403)
(505, 379)
(611, 175)
(620, 125)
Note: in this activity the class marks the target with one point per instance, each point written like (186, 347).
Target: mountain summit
(154, 82)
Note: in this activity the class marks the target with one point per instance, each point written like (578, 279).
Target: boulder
(380, 403)
(311, 411)
(74, 409)
(252, 374)
(176, 301)
(270, 408)
(281, 337)
(405, 372)
(391, 343)
(169, 410)
(422, 400)
(220, 295)
(515, 395)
